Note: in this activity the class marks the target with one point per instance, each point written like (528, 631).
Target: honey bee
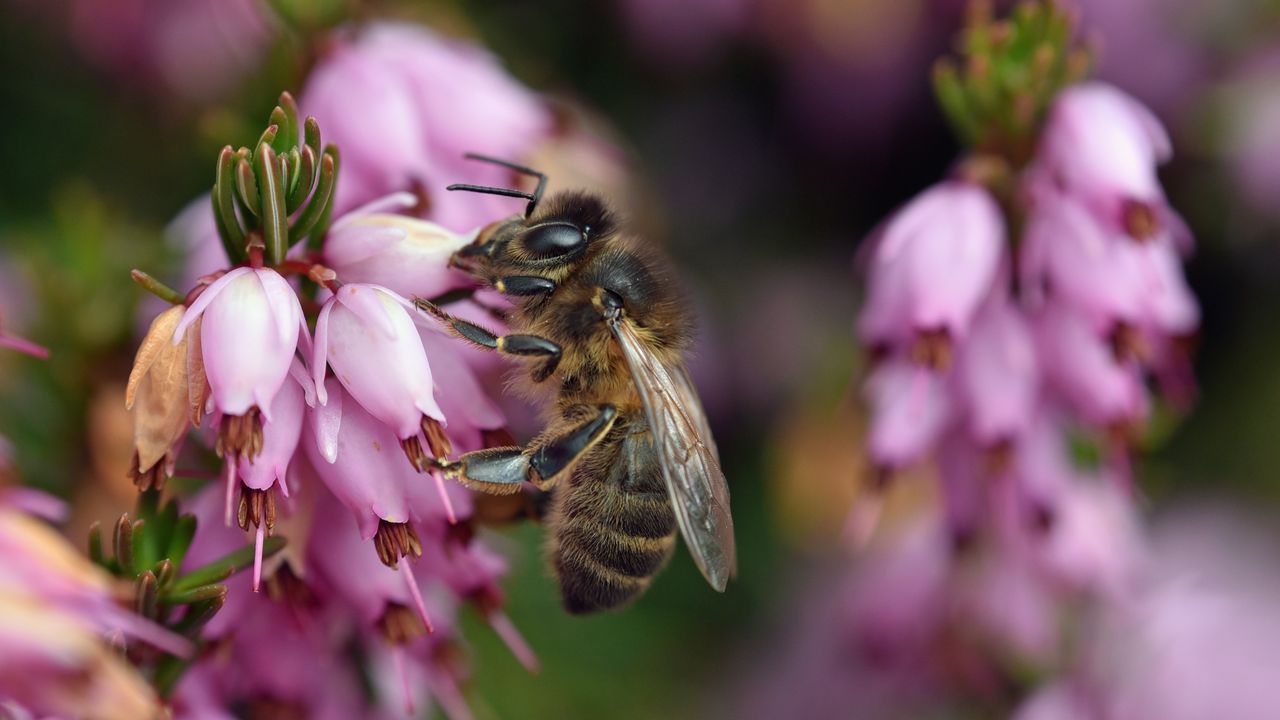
(628, 456)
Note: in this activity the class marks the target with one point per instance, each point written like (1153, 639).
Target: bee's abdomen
(609, 543)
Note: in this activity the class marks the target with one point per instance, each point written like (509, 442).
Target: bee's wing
(687, 453)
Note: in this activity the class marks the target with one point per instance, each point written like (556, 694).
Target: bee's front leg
(514, 344)
(502, 471)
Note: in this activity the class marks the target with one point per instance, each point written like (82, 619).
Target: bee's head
(547, 237)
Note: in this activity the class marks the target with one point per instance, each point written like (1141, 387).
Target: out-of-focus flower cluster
(1023, 316)
(1026, 303)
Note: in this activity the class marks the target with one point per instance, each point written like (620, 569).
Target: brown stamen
(437, 440)
(1140, 220)
(255, 507)
(400, 624)
(932, 349)
(150, 479)
(286, 587)
(269, 708)
(1127, 343)
(998, 458)
(240, 436)
(394, 541)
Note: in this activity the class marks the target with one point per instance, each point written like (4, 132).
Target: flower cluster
(326, 397)
(989, 357)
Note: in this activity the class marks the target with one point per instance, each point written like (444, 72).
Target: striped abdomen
(613, 528)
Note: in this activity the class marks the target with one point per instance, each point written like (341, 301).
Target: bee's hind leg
(502, 471)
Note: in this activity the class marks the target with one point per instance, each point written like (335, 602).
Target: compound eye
(554, 239)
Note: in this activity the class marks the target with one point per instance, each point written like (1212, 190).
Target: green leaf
(224, 208)
(122, 544)
(226, 566)
(196, 594)
(184, 530)
(247, 188)
(280, 143)
(157, 288)
(306, 181)
(95, 544)
(317, 208)
(146, 595)
(275, 220)
(290, 108)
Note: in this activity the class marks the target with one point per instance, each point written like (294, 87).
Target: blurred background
(760, 141)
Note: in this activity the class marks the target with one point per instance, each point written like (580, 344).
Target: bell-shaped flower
(932, 265)
(1082, 369)
(366, 333)
(910, 407)
(998, 375)
(357, 458)
(1069, 255)
(472, 413)
(409, 257)
(383, 596)
(1102, 146)
(159, 394)
(1095, 543)
(250, 320)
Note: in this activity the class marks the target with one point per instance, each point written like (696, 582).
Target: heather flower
(249, 329)
(166, 393)
(910, 408)
(366, 333)
(998, 375)
(354, 455)
(437, 99)
(1085, 371)
(932, 265)
(1102, 146)
(409, 257)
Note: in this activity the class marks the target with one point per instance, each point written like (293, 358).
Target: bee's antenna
(532, 197)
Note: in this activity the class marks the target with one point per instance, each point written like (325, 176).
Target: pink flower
(407, 256)
(366, 333)
(357, 458)
(1103, 146)
(998, 374)
(932, 265)
(248, 333)
(1083, 369)
(910, 407)
(437, 99)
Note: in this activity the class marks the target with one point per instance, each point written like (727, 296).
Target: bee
(627, 455)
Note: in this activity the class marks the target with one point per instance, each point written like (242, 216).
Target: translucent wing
(690, 466)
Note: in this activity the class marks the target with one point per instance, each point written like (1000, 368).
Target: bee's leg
(502, 471)
(523, 285)
(515, 344)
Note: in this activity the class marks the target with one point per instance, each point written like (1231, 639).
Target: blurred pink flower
(998, 375)
(1084, 369)
(910, 407)
(932, 265)
(1102, 146)
(437, 99)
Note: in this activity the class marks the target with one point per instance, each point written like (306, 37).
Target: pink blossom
(1103, 146)
(437, 99)
(1095, 542)
(366, 333)
(248, 334)
(358, 459)
(998, 374)
(279, 442)
(1084, 370)
(407, 256)
(933, 263)
(910, 407)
